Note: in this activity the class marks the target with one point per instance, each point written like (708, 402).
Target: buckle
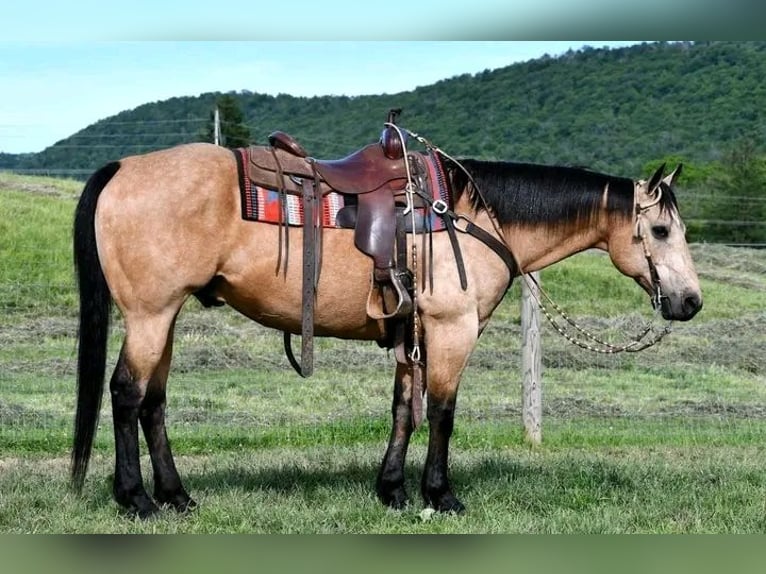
(462, 219)
(440, 207)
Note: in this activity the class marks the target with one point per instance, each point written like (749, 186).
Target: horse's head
(651, 248)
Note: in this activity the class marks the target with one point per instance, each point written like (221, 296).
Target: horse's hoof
(180, 501)
(137, 504)
(395, 498)
(447, 503)
(142, 510)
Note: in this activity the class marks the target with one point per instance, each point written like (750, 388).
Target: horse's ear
(673, 175)
(656, 179)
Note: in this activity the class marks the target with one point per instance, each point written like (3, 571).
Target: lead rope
(606, 348)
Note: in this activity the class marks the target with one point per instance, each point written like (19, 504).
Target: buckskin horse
(152, 230)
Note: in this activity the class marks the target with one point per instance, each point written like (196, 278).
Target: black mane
(531, 193)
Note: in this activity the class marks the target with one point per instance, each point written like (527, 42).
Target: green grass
(667, 440)
(35, 253)
(328, 489)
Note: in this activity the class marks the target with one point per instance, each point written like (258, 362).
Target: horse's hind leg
(141, 356)
(167, 483)
(390, 482)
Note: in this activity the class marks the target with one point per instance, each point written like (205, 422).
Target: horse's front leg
(449, 347)
(390, 482)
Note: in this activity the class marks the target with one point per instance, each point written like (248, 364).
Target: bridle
(640, 234)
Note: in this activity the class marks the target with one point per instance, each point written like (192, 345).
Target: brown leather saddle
(367, 173)
(375, 175)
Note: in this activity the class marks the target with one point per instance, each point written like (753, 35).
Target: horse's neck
(536, 247)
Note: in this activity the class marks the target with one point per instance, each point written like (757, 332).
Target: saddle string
(607, 348)
(283, 217)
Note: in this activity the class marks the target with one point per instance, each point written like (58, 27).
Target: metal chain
(606, 348)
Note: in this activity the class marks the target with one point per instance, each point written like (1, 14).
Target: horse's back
(191, 162)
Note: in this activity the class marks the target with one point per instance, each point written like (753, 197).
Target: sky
(51, 90)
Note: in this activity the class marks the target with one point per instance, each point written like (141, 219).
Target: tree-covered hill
(618, 110)
(610, 109)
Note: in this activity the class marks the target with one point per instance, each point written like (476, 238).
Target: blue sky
(50, 90)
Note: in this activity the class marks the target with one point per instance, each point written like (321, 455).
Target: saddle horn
(390, 139)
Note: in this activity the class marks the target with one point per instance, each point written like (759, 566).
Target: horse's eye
(660, 232)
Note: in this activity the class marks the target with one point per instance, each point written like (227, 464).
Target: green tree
(234, 131)
(737, 211)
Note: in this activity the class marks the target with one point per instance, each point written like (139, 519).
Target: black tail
(95, 309)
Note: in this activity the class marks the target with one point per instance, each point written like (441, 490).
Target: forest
(622, 111)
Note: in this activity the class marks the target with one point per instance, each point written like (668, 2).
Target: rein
(634, 346)
(503, 250)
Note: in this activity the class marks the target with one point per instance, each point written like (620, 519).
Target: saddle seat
(364, 171)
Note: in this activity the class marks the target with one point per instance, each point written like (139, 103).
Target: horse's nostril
(692, 304)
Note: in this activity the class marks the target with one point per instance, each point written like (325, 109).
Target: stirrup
(403, 299)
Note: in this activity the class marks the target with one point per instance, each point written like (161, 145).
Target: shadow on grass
(538, 485)
(286, 478)
(490, 474)
(675, 491)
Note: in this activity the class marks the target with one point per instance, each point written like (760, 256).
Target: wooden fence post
(531, 362)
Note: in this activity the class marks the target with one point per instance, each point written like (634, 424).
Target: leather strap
(495, 245)
(309, 279)
(449, 225)
(282, 251)
(400, 344)
(501, 249)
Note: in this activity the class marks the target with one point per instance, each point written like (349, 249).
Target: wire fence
(714, 368)
(229, 370)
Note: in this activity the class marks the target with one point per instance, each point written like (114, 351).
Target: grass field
(668, 440)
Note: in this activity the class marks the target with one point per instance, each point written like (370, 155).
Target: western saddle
(377, 176)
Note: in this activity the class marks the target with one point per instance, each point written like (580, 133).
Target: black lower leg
(435, 486)
(128, 485)
(167, 483)
(390, 481)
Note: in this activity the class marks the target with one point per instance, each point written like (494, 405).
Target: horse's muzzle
(681, 308)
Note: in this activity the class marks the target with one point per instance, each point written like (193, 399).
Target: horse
(153, 230)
